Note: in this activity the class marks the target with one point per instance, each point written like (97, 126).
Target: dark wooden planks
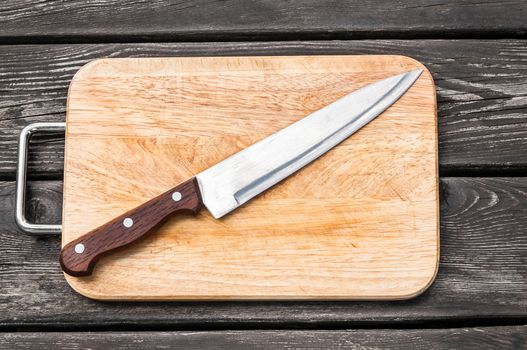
(482, 275)
(208, 20)
(481, 86)
(513, 337)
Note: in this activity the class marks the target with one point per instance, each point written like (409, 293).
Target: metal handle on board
(21, 176)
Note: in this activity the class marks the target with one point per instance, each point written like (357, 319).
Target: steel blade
(232, 182)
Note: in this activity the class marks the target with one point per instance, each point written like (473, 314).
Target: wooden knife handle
(78, 257)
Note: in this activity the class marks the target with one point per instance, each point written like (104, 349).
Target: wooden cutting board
(359, 223)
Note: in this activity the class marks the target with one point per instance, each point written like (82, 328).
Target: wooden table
(477, 53)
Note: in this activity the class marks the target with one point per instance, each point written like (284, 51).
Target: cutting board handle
(78, 257)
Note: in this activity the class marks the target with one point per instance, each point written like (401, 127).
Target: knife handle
(78, 257)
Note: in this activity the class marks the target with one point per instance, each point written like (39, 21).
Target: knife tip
(416, 72)
(412, 76)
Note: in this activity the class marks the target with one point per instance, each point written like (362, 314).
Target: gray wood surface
(513, 337)
(481, 88)
(482, 275)
(477, 53)
(199, 20)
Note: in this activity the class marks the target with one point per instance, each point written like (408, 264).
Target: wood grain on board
(483, 273)
(481, 95)
(359, 223)
(211, 20)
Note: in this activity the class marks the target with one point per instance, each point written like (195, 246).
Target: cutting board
(361, 222)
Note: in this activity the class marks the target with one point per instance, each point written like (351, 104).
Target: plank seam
(201, 325)
(247, 36)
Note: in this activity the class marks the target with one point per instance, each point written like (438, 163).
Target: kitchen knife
(237, 179)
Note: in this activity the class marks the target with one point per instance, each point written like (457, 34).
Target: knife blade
(229, 184)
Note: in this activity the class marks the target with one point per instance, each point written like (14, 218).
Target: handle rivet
(176, 196)
(128, 222)
(79, 248)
